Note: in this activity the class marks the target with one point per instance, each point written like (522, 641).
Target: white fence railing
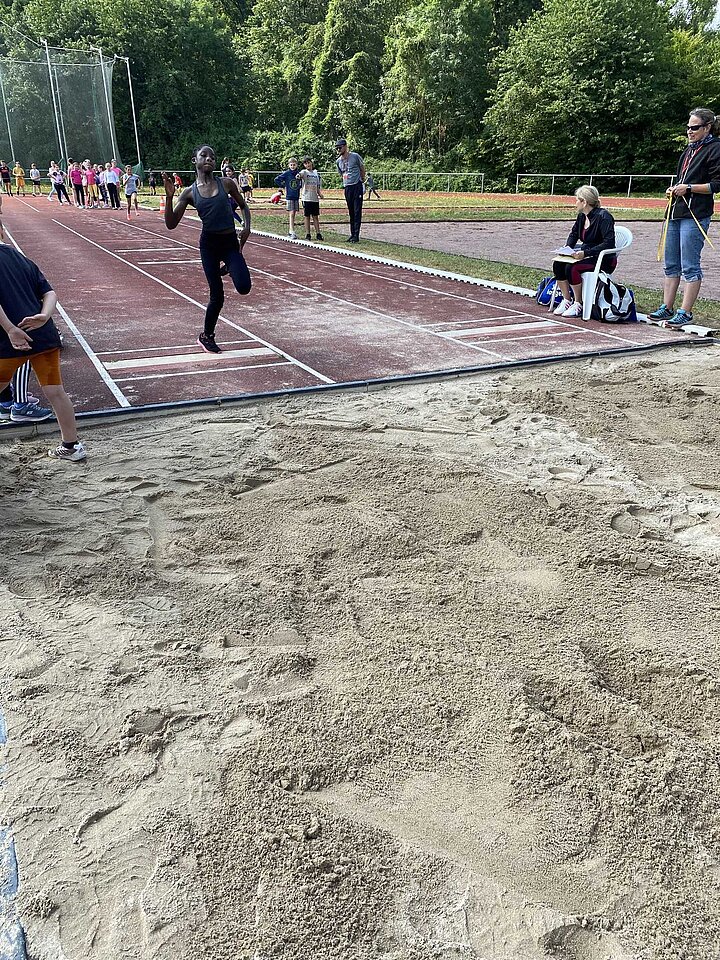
(591, 177)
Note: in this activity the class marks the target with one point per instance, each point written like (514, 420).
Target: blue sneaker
(29, 413)
(681, 318)
(662, 314)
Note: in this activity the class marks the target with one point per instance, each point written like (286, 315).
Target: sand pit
(430, 672)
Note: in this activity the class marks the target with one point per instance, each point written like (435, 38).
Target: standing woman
(218, 240)
(691, 207)
(593, 232)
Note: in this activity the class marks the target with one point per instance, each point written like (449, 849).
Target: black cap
(342, 142)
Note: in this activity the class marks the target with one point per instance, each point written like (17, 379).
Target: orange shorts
(46, 366)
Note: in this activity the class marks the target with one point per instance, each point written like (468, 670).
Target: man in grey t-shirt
(352, 170)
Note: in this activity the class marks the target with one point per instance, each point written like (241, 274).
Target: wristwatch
(689, 187)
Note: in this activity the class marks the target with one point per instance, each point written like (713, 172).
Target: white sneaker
(562, 307)
(574, 310)
(293, 236)
(62, 452)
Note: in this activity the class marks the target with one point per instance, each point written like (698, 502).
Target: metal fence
(412, 180)
(581, 178)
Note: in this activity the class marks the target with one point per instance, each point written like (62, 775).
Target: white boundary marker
(104, 375)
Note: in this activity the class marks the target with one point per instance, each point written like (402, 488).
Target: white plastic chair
(623, 239)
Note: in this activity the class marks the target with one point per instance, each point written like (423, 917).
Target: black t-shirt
(22, 287)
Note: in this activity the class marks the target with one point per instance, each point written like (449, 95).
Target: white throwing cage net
(56, 107)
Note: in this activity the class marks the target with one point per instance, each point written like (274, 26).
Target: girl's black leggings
(217, 248)
(79, 191)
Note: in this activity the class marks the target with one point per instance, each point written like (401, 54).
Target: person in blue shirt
(291, 183)
(218, 239)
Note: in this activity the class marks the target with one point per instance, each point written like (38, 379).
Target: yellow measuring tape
(666, 220)
(664, 230)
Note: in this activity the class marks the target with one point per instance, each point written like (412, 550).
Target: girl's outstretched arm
(174, 214)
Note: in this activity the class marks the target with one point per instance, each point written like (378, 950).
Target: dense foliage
(498, 85)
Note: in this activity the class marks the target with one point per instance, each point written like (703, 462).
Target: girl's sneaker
(562, 307)
(662, 314)
(319, 236)
(75, 453)
(574, 310)
(681, 318)
(207, 342)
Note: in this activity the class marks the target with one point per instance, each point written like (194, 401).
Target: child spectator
(177, 180)
(93, 197)
(276, 198)
(57, 178)
(131, 182)
(370, 187)
(311, 197)
(19, 175)
(76, 178)
(111, 182)
(35, 180)
(27, 332)
(5, 177)
(289, 180)
(152, 183)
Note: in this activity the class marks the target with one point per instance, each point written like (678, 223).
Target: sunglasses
(696, 126)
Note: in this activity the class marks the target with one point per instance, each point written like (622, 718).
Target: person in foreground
(594, 230)
(690, 202)
(210, 195)
(27, 332)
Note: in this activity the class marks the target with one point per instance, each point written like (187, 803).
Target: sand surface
(420, 674)
(530, 244)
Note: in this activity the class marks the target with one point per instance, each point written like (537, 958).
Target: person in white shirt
(311, 197)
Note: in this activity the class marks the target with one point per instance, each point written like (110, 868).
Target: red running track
(132, 298)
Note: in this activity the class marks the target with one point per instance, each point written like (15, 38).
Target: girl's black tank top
(214, 212)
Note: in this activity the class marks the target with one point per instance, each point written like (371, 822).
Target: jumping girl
(218, 240)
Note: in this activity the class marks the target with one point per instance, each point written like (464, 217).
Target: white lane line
(537, 336)
(191, 373)
(537, 325)
(356, 306)
(177, 346)
(456, 324)
(145, 249)
(196, 303)
(183, 358)
(105, 377)
(156, 262)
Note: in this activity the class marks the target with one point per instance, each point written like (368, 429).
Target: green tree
(282, 42)
(436, 83)
(346, 88)
(585, 85)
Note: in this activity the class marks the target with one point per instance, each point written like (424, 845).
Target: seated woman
(595, 230)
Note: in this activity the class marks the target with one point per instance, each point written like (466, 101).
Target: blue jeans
(683, 248)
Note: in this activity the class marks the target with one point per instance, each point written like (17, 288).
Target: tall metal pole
(132, 105)
(52, 95)
(60, 113)
(111, 125)
(7, 117)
